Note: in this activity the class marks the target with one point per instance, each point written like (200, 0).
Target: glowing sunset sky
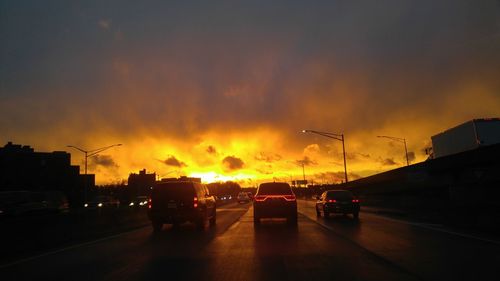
(222, 90)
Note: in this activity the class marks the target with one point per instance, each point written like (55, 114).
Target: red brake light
(195, 202)
(150, 203)
(355, 200)
(332, 201)
(260, 198)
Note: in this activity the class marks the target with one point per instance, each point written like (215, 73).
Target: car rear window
(173, 190)
(339, 195)
(274, 189)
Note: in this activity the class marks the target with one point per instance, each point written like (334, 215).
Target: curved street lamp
(339, 137)
(90, 153)
(168, 173)
(399, 140)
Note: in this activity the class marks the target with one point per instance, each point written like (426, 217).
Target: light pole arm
(77, 148)
(99, 150)
(339, 137)
(325, 134)
(89, 153)
(401, 140)
(393, 138)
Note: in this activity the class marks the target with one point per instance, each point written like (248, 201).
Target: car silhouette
(177, 202)
(243, 197)
(337, 201)
(275, 200)
(102, 201)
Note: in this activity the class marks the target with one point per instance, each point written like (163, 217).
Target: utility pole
(339, 137)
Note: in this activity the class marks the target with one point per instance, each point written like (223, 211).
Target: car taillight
(260, 198)
(332, 201)
(150, 203)
(195, 202)
(289, 197)
(355, 200)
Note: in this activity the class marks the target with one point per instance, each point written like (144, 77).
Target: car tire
(157, 226)
(256, 219)
(213, 220)
(292, 220)
(356, 215)
(318, 213)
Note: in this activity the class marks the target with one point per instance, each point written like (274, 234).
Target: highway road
(338, 248)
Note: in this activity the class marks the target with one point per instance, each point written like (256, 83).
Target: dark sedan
(337, 201)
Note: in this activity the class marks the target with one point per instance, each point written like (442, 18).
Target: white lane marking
(429, 226)
(234, 225)
(68, 248)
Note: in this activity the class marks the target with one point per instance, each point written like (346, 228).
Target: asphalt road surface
(337, 248)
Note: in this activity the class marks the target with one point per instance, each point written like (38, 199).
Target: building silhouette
(21, 168)
(140, 184)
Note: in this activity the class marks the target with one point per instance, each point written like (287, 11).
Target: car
(102, 201)
(275, 200)
(16, 203)
(243, 197)
(250, 195)
(225, 197)
(337, 201)
(139, 202)
(177, 202)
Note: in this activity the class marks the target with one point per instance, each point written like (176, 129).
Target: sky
(222, 89)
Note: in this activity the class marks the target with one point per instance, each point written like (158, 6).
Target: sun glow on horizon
(209, 177)
(248, 158)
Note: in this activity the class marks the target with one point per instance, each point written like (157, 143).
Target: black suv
(275, 200)
(337, 201)
(180, 201)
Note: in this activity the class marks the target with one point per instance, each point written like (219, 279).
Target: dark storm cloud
(353, 156)
(211, 149)
(387, 161)
(232, 163)
(306, 161)
(174, 162)
(265, 170)
(102, 160)
(268, 157)
(363, 155)
(187, 68)
(411, 156)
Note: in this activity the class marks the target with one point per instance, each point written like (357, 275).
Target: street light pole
(345, 164)
(339, 137)
(400, 140)
(303, 171)
(90, 153)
